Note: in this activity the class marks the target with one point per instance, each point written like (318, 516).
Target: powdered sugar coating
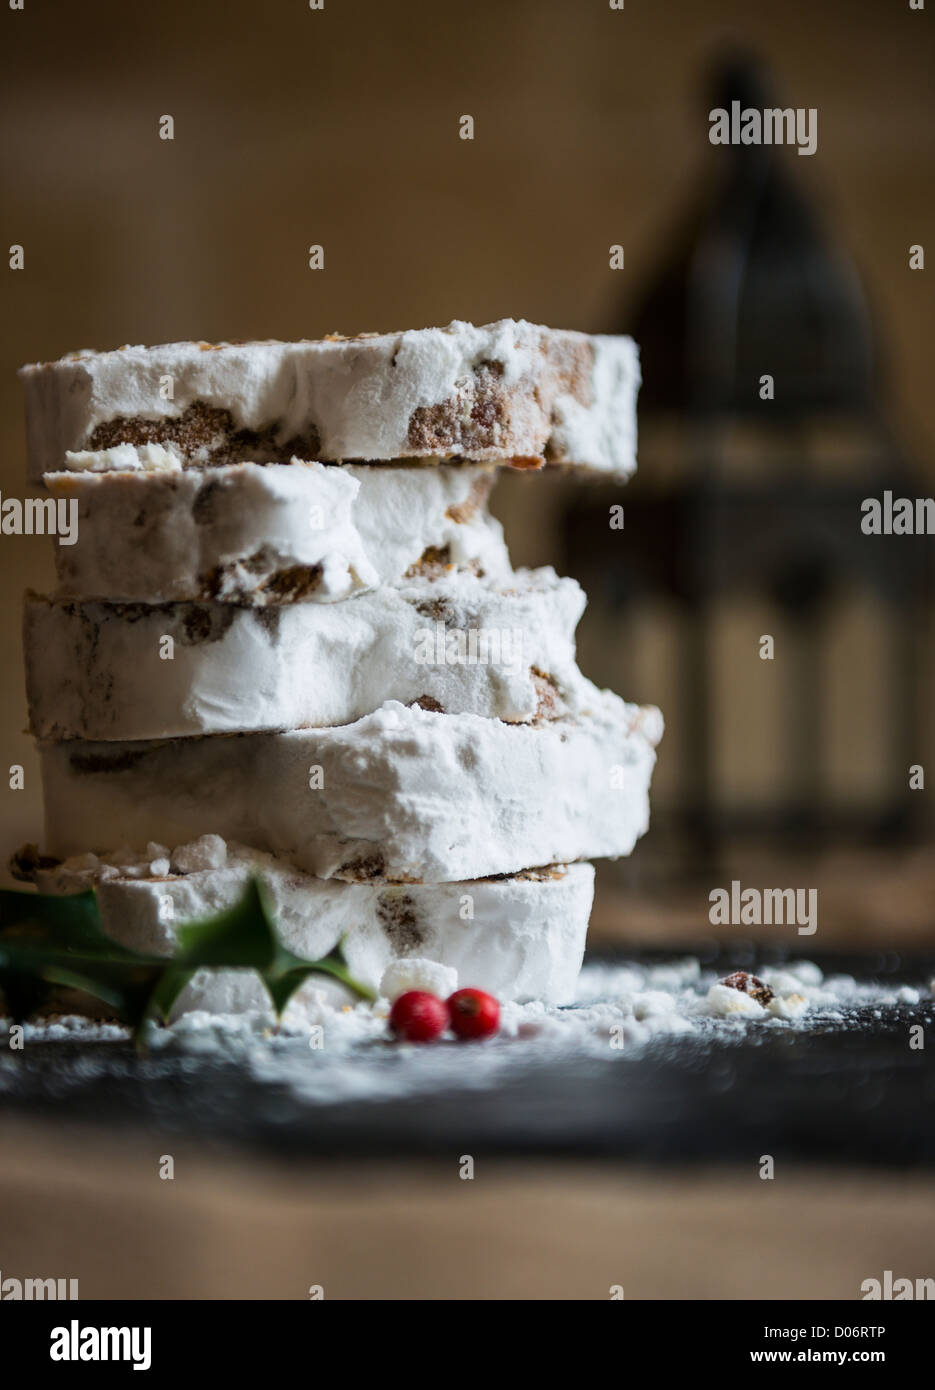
(401, 976)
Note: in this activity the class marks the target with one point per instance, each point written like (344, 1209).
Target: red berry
(474, 1014)
(418, 1016)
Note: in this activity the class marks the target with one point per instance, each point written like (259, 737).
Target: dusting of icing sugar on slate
(639, 1005)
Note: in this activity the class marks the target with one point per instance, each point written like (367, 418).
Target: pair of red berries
(418, 1016)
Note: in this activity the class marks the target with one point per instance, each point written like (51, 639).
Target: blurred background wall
(339, 127)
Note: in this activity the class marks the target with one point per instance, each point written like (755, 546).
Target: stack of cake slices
(288, 642)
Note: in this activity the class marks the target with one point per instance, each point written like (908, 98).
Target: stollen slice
(454, 645)
(270, 534)
(403, 794)
(511, 391)
(520, 937)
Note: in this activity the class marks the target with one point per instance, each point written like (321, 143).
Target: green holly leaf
(24, 991)
(287, 972)
(49, 940)
(242, 935)
(56, 940)
(245, 935)
(166, 991)
(71, 920)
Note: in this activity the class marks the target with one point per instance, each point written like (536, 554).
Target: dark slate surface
(850, 1091)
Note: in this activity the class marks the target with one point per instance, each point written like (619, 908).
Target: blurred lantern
(759, 501)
